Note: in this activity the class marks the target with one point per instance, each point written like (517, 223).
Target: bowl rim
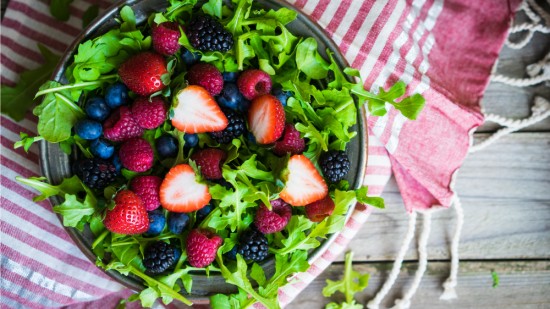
(90, 31)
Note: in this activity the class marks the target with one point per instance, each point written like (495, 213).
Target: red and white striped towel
(442, 49)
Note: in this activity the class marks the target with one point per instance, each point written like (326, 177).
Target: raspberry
(136, 155)
(253, 246)
(147, 188)
(207, 34)
(210, 160)
(159, 256)
(165, 38)
(121, 125)
(271, 221)
(207, 76)
(149, 115)
(317, 211)
(254, 83)
(95, 173)
(201, 247)
(235, 128)
(291, 142)
(335, 165)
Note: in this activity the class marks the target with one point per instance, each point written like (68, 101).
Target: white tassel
(540, 111)
(449, 291)
(405, 302)
(375, 302)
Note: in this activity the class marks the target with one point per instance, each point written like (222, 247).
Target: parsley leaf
(352, 283)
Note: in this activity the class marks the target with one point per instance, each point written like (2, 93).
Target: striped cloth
(442, 49)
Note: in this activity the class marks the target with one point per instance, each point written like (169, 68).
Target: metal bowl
(56, 165)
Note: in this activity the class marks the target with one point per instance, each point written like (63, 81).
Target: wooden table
(505, 193)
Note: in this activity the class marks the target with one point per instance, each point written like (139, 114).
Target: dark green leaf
(89, 15)
(60, 9)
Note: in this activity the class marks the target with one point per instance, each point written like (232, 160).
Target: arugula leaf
(309, 61)
(60, 9)
(496, 279)
(213, 7)
(75, 213)
(352, 283)
(16, 101)
(71, 185)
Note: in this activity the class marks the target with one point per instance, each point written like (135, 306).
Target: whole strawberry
(274, 220)
(207, 76)
(202, 246)
(165, 38)
(149, 115)
(136, 155)
(129, 216)
(317, 211)
(210, 161)
(147, 188)
(142, 73)
(291, 142)
(121, 125)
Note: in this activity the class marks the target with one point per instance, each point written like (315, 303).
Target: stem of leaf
(100, 238)
(99, 81)
(166, 288)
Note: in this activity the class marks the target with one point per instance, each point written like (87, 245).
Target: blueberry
(116, 95)
(97, 109)
(88, 129)
(188, 57)
(251, 138)
(177, 222)
(156, 222)
(203, 212)
(230, 76)
(281, 95)
(102, 148)
(167, 146)
(117, 163)
(191, 140)
(232, 254)
(231, 98)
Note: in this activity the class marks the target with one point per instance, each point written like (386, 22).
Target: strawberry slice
(266, 118)
(196, 111)
(180, 192)
(304, 184)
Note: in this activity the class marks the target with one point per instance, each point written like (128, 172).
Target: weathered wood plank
(522, 285)
(505, 192)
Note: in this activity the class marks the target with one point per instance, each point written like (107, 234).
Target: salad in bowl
(205, 149)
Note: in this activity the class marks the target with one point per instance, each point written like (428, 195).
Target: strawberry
(319, 210)
(129, 216)
(196, 111)
(142, 73)
(180, 191)
(304, 184)
(266, 119)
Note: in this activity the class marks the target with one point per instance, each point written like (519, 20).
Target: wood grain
(522, 285)
(505, 192)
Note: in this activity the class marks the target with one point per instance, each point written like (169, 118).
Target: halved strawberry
(304, 184)
(196, 111)
(266, 119)
(180, 192)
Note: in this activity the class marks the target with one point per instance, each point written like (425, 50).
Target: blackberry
(335, 165)
(253, 246)
(235, 128)
(207, 34)
(159, 256)
(95, 173)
